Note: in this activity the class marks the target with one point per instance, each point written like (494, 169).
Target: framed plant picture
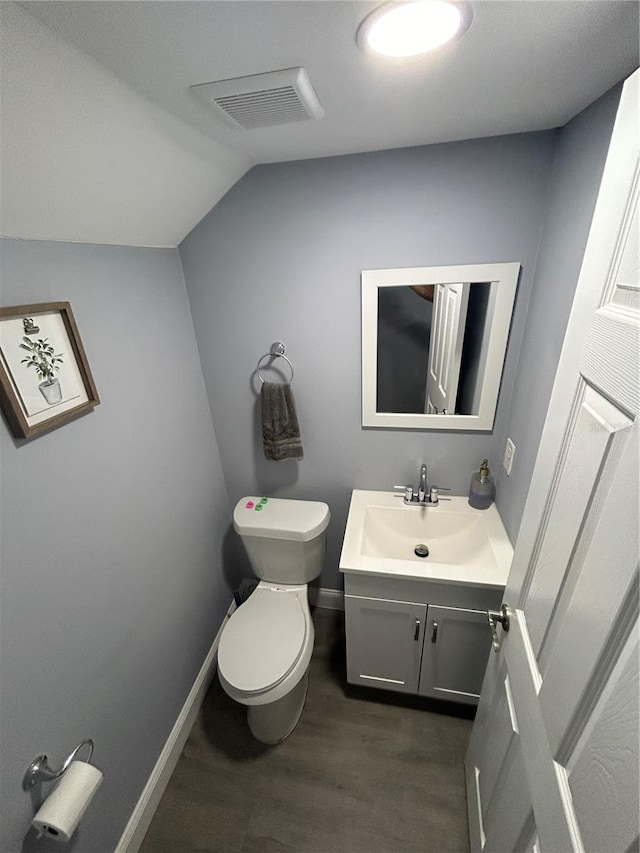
(45, 379)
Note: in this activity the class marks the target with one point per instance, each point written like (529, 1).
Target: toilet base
(273, 722)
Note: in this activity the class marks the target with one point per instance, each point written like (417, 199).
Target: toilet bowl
(266, 646)
(264, 656)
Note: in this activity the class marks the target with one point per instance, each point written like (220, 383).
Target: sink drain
(421, 551)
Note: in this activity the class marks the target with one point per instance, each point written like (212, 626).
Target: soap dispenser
(482, 489)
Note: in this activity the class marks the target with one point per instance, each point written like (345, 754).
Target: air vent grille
(263, 100)
(271, 106)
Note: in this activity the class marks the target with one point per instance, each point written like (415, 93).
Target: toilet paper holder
(39, 770)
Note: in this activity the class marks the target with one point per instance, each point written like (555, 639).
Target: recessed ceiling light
(412, 28)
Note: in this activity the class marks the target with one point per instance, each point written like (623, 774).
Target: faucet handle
(434, 494)
(407, 492)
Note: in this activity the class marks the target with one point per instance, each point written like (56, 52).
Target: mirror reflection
(431, 347)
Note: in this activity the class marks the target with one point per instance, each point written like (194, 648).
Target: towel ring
(276, 350)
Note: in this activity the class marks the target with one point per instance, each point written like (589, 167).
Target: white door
(445, 347)
(553, 760)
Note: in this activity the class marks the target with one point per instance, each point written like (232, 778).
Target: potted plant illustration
(46, 361)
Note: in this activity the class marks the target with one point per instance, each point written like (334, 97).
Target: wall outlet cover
(509, 453)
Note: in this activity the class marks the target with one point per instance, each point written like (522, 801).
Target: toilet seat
(263, 640)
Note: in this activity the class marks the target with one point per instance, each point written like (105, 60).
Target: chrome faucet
(422, 487)
(424, 496)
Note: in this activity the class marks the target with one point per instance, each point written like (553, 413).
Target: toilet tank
(285, 539)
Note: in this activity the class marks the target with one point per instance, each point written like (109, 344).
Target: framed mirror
(434, 341)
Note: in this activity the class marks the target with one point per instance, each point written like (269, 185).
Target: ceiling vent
(262, 100)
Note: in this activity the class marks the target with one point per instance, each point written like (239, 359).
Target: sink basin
(464, 545)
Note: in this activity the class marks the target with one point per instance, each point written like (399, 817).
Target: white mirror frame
(503, 280)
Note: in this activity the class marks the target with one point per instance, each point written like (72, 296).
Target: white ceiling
(521, 66)
(103, 141)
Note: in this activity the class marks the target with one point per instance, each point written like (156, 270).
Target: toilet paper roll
(61, 812)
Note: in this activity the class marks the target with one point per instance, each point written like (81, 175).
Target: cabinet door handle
(434, 632)
(416, 633)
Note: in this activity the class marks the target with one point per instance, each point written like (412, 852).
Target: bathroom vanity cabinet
(418, 624)
(420, 637)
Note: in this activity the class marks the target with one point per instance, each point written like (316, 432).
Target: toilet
(266, 645)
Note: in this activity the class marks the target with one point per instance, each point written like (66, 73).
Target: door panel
(549, 792)
(605, 801)
(583, 644)
(498, 799)
(504, 735)
(618, 430)
(508, 820)
(595, 421)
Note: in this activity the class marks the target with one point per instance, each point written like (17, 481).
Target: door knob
(494, 617)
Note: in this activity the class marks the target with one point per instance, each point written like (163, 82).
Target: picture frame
(45, 378)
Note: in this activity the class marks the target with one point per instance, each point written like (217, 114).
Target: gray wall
(577, 171)
(112, 532)
(279, 258)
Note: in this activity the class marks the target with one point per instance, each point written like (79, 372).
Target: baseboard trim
(332, 599)
(143, 813)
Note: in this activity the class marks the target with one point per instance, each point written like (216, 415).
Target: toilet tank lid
(279, 518)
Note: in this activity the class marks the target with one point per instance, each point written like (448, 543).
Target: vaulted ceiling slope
(104, 141)
(84, 158)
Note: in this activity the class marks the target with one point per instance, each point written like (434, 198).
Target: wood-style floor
(364, 770)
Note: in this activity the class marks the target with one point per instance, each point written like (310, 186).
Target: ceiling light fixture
(412, 28)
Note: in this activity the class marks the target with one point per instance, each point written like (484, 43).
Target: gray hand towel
(280, 430)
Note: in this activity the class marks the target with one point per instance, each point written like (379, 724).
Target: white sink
(465, 545)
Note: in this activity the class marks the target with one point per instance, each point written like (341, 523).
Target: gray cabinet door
(457, 644)
(384, 643)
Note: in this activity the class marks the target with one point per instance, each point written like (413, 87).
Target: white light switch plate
(509, 453)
